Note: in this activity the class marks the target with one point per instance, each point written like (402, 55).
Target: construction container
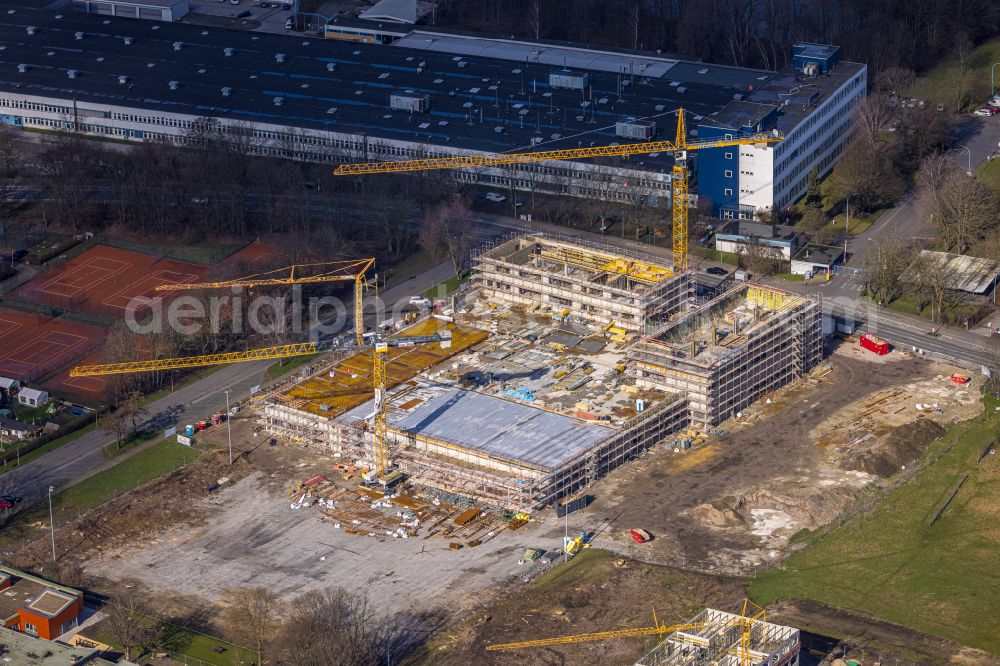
(874, 344)
(567, 507)
(467, 516)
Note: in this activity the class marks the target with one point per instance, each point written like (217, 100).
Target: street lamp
(847, 223)
(966, 148)
(52, 524)
(229, 428)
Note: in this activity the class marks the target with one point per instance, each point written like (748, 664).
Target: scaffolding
(736, 348)
(717, 643)
(573, 277)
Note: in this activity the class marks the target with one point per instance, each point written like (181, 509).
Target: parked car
(244, 14)
(4, 504)
(995, 102)
(716, 270)
(200, 201)
(287, 6)
(419, 300)
(234, 2)
(13, 499)
(986, 112)
(495, 196)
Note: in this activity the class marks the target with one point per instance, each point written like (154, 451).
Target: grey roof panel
(494, 426)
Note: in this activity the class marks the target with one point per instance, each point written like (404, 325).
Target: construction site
(546, 401)
(634, 293)
(730, 351)
(726, 639)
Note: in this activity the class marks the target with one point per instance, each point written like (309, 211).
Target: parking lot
(224, 13)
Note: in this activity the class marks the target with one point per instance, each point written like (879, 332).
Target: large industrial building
(541, 393)
(430, 94)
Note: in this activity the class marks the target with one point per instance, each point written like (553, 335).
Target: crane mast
(679, 147)
(337, 271)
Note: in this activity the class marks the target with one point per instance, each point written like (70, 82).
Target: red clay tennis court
(90, 388)
(34, 346)
(104, 280)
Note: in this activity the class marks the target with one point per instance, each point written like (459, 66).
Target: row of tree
(913, 34)
(328, 627)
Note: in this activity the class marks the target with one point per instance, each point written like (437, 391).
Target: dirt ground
(733, 503)
(735, 500)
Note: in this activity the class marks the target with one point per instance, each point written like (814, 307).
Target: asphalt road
(83, 457)
(981, 136)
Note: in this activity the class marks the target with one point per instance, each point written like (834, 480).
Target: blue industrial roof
(477, 102)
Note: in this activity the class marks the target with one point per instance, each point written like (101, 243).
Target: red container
(874, 344)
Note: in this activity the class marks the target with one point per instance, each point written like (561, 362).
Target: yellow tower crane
(639, 632)
(380, 353)
(679, 147)
(333, 271)
(750, 615)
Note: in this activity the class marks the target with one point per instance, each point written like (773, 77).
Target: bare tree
(251, 618)
(885, 264)
(759, 259)
(124, 421)
(933, 281)
(445, 233)
(894, 80)
(968, 209)
(331, 627)
(130, 625)
(963, 49)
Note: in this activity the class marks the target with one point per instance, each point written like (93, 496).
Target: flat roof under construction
(490, 425)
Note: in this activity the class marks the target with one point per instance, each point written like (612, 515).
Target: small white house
(7, 384)
(32, 397)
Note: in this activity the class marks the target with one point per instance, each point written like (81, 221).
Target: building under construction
(731, 351)
(596, 283)
(544, 405)
(718, 643)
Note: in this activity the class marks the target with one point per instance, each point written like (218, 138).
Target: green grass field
(11, 450)
(416, 263)
(144, 466)
(939, 84)
(284, 366)
(942, 579)
(442, 289)
(989, 173)
(182, 642)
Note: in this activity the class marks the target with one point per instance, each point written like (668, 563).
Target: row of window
(629, 189)
(34, 106)
(848, 90)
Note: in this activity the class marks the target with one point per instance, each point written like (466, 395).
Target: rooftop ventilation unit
(331, 67)
(173, 85)
(78, 35)
(128, 41)
(278, 101)
(227, 91)
(22, 68)
(178, 46)
(227, 51)
(72, 73)
(123, 79)
(279, 57)
(411, 102)
(643, 130)
(566, 79)
(32, 29)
